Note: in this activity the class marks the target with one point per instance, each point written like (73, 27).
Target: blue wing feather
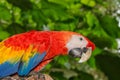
(33, 62)
(8, 68)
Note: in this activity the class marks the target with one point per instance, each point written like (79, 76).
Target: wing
(42, 65)
(30, 59)
(17, 60)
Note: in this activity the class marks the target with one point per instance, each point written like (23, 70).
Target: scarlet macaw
(32, 50)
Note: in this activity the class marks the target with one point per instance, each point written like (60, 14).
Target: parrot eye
(81, 38)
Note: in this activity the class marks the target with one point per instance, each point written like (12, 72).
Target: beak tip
(80, 61)
(85, 56)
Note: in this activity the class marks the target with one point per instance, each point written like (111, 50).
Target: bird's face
(80, 47)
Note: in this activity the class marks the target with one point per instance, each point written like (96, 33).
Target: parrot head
(80, 47)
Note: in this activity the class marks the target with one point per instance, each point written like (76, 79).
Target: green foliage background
(92, 18)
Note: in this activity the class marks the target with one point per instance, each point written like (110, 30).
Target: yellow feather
(11, 54)
(14, 54)
(27, 54)
(5, 55)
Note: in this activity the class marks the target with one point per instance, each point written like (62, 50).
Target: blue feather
(8, 68)
(33, 62)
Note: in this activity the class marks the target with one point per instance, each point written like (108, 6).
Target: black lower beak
(77, 52)
(85, 49)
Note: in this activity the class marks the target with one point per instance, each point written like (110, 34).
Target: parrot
(31, 51)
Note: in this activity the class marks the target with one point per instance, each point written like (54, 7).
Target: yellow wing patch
(29, 53)
(14, 54)
(10, 54)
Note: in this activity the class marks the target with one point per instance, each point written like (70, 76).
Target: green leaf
(15, 28)
(39, 17)
(61, 2)
(91, 19)
(91, 61)
(110, 25)
(61, 60)
(57, 75)
(96, 51)
(5, 13)
(90, 3)
(3, 35)
(102, 40)
(23, 4)
(54, 11)
(62, 26)
(82, 76)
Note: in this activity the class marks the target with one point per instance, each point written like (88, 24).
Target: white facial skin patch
(78, 41)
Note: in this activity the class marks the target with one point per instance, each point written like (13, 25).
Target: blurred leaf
(3, 35)
(55, 11)
(48, 66)
(66, 73)
(5, 13)
(91, 19)
(23, 4)
(62, 27)
(61, 59)
(15, 28)
(96, 51)
(69, 73)
(61, 2)
(102, 40)
(90, 3)
(82, 76)
(57, 75)
(109, 64)
(39, 17)
(110, 25)
(91, 61)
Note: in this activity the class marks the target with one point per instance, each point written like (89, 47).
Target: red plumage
(52, 41)
(34, 49)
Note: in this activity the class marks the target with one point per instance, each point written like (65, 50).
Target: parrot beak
(84, 53)
(85, 56)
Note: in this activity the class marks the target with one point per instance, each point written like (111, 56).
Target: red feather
(53, 42)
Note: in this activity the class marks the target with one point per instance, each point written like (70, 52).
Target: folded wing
(17, 60)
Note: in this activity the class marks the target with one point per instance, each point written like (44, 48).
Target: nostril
(84, 49)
